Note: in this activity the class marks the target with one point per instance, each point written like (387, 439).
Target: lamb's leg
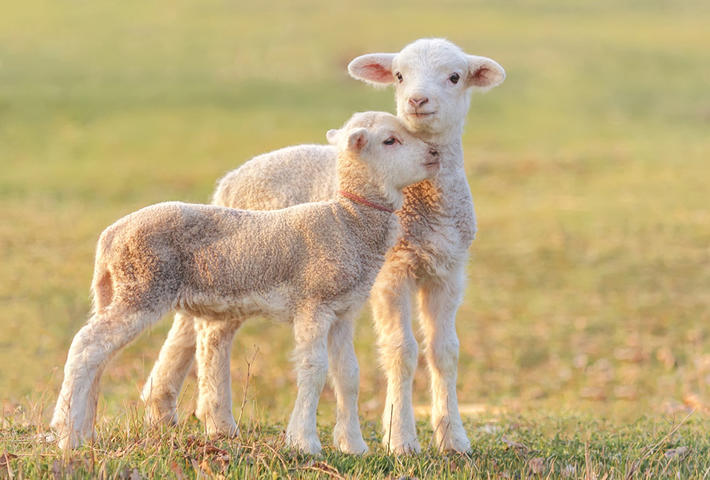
(390, 299)
(90, 418)
(92, 347)
(345, 376)
(439, 299)
(214, 403)
(160, 392)
(311, 360)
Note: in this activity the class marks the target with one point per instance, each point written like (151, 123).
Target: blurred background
(589, 280)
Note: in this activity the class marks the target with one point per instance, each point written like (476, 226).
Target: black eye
(454, 78)
(390, 141)
(399, 77)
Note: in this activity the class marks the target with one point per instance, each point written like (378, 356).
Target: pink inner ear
(363, 142)
(480, 77)
(360, 143)
(376, 73)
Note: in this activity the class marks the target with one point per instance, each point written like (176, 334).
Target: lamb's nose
(417, 102)
(433, 152)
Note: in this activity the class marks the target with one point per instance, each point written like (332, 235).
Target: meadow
(585, 331)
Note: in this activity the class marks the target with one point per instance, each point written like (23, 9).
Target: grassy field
(585, 332)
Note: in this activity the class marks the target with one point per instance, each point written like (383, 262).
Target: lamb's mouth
(432, 164)
(421, 114)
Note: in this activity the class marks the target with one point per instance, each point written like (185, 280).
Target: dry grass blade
(651, 449)
(519, 447)
(177, 470)
(246, 386)
(5, 458)
(5, 464)
(324, 467)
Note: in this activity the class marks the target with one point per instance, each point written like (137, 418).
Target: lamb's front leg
(345, 376)
(439, 299)
(160, 392)
(390, 299)
(214, 403)
(311, 361)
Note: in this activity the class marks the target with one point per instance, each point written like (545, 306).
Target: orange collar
(363, 201)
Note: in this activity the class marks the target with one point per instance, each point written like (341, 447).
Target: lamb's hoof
(454, 440)
(352, 446)
(308, 444)
(403, 447)
(222, 428)
(217, 425)
(68, 440)
(200, 412)
(154, 415)
(160, 405)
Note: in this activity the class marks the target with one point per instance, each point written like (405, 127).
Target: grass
(508, 446)
(589, 290)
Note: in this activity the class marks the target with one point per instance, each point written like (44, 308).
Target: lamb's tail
(102, 283)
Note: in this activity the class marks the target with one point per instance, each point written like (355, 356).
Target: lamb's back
(279, 179)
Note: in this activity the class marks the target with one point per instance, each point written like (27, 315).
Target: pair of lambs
(312, 264)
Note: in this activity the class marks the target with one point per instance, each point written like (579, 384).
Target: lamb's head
(433, 80)
(375, 148)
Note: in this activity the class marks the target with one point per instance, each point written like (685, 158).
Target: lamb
(433, 81)
(312, 264)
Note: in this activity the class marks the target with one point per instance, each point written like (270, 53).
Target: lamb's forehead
(375, 121)
(430, 54)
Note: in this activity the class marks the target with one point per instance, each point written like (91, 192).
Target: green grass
(589, 289)
(509, 446)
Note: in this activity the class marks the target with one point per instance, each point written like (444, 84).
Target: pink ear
(357, 140)
(375, 68)
(484, 73)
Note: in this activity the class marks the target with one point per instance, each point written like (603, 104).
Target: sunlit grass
(506, 446)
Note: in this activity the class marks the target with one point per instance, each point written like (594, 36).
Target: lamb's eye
(390, 141)
(399, 77)
(454, 78)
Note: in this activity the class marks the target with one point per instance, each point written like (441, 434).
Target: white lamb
(311, 264)
(433, 82)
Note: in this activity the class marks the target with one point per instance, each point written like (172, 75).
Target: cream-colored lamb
(311, 264)
(433, 81)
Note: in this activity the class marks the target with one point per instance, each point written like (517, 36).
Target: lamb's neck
(356, 179)
(450, 156)
(448, 143)
(371, 210)
(447, 135)
(375, 228)
(446, 186)
(368, 194)
(372, 194)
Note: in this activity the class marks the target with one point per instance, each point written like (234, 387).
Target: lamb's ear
(332, 136)
(484, 73)
(373, 68)
(357, 139)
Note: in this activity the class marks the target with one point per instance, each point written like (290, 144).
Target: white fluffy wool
(312, 264)
(433, 81)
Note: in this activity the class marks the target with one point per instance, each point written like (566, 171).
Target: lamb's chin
(423, 125)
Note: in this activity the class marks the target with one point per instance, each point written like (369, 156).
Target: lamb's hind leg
(92, 347)
(214, 403)
(439, 299)
(161, 391)
(345, 376)
(390, 299)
